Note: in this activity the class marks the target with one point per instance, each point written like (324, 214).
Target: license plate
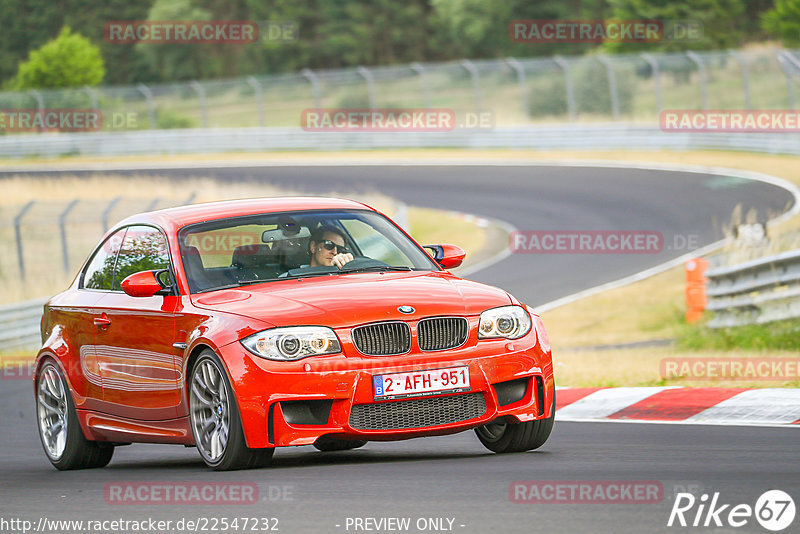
(420, 383)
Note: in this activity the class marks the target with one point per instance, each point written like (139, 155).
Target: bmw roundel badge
(406, 309)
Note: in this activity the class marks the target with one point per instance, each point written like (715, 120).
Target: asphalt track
(455, 477)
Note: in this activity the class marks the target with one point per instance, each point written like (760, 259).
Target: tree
(784, 21)
(69, 60)
(124, 63)
(179, 61)
(28, 24)
(720, 21)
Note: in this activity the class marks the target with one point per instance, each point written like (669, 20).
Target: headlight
(510, 322)
(293, 342)
(541, 333)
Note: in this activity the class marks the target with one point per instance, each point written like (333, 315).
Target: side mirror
(448, 256)
(142, 284)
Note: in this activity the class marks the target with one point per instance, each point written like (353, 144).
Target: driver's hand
(340, 259)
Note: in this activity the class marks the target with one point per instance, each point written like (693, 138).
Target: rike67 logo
(774, 510)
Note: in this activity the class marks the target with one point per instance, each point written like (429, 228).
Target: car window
(374, 244)
(143, 249)
(217, 246)
(99, 273)
(269, 247)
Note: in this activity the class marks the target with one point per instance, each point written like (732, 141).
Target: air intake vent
(418, 413)
(441, 333)
(383, 339)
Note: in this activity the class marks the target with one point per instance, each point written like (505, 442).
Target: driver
(327, 248)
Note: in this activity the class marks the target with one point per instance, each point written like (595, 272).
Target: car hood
(349, 300)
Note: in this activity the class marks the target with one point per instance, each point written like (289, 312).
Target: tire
(59, 430)
(501, 437)
(214, 419)
(326, 444)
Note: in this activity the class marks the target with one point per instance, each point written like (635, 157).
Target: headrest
(251, 256)
(193, 255)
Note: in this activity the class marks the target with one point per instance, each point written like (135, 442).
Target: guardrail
(19, 325)
(587, 136)
(758, 291)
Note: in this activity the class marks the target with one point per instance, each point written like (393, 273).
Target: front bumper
(295, 403)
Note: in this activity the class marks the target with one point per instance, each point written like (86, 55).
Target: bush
(167, 119)
(592, 95)
(549, 98)
(69, 60)
(352, 100)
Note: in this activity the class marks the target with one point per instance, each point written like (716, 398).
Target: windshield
(270, 247)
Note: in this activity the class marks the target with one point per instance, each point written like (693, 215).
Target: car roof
(171, 219)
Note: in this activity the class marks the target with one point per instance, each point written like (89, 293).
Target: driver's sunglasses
(330, 245)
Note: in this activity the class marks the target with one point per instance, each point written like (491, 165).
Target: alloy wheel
(51, 407)
(210, 407)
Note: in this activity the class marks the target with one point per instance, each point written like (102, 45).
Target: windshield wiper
(255, 281)
(376, 268)
(288, 277)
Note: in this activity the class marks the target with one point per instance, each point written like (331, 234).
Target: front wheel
(59, 429)
(501, 437)
(215, 422)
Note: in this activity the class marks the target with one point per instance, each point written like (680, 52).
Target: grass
(778, 335)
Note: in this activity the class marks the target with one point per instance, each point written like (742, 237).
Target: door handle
(103, 321)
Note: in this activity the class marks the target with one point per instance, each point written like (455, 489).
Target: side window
(99, 274)
(374, 244)
(144, 249)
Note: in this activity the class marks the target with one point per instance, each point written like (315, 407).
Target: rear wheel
(59, 430)
(215, 422)
(501, 437)
(326, 444)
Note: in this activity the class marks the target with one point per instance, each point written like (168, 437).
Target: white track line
(774, 405)
(605, 402)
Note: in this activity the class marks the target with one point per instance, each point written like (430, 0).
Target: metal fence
(758, 291)
(46, 240)
(592, 136)
(626, 87)
(19, 325)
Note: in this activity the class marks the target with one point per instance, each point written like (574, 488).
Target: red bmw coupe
(242, 326)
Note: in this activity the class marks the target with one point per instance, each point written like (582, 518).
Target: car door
(76, 312)
(134, 342)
